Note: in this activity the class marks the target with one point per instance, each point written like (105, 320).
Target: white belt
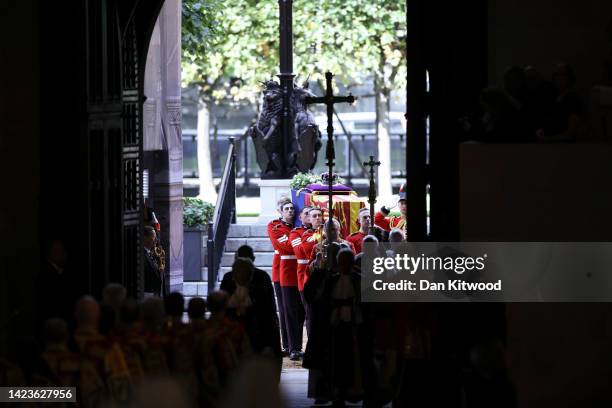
(288, 257)
(303, 261)
(276, 252)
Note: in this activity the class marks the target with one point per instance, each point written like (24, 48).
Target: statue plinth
(270, 191)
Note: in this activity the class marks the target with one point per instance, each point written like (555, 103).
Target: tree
(230, 46)
(359, 39)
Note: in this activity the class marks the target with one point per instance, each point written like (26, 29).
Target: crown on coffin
(322, 186)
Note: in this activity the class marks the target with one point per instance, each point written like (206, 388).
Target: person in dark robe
(56, 292)
(335, 353)
(251, 301)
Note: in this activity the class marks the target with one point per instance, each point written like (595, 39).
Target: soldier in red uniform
(382, 219)
(279, 231)
(302, 262)
(278, 292)
(356, 238)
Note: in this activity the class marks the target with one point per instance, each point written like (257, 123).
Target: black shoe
(321, 401)
(295, 356)
(284, 353)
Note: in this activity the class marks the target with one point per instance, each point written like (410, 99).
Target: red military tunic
(302, 260)
(388, 223)
(356, 238)
(276, 258)
(309, 240)
(279, 232)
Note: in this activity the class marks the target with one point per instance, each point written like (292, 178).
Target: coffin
(345, 201)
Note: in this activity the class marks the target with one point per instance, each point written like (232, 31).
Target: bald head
(87, 312)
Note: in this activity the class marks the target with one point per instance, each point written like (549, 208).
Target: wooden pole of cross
(330, 100)
(372, 164)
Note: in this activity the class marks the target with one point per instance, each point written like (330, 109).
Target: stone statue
(302, 145)
(266, 133)
(307, 132)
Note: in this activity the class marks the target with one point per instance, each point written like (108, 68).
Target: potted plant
(197, 213)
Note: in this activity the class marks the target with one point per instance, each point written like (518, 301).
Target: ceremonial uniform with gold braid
(71, 369)
(109, 360)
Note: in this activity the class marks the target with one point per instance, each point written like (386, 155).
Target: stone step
(192, 289)
(248, 231)
(261, 258)
(258, 244)
(224, 269)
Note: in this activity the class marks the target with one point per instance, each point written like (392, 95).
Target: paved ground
(293, 386)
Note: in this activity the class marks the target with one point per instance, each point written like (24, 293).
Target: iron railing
(225, 214)
(350, 148)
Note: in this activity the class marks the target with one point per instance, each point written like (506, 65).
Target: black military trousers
(281, 315)
(306, 307)
(294, 316)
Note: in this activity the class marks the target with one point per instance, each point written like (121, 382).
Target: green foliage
(231, 45)
(196, 212)
(248, 214)
(301, 180)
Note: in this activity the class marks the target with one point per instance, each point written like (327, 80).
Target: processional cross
(372, 190)
(330, 154)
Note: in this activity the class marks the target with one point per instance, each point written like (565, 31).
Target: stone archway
(162, 144)
(119, 33)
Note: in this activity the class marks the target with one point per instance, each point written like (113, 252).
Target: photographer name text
(426, 285)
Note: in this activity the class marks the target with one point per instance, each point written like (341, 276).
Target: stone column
(171, 70)
(168, 186)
